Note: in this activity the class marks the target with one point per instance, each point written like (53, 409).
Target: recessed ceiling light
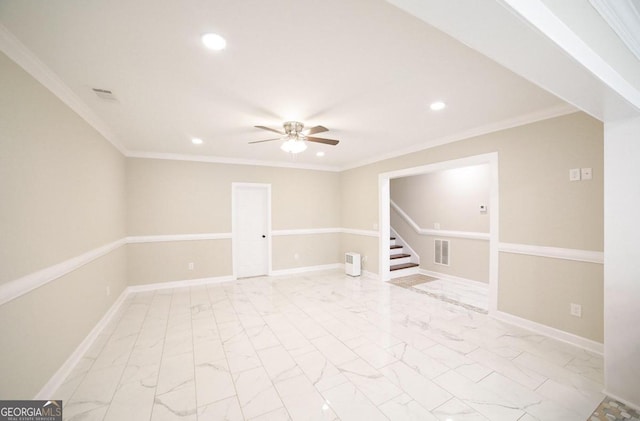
(438, 105)
(320, 153)
(214, 42)
(196, 141)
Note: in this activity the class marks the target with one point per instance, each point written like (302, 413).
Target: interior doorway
(384, 213)
(251, 229)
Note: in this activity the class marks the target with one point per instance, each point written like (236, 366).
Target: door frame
(384, 193)
(234, 228)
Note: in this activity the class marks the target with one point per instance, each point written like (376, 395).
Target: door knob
(264, 236)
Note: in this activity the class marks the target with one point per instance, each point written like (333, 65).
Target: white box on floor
(352, 264)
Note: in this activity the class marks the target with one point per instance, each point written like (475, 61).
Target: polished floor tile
(323, 346)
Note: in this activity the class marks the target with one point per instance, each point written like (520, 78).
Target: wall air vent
(441, 255)
(105, 94)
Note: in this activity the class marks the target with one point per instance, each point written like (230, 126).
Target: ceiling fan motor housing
(293, 127)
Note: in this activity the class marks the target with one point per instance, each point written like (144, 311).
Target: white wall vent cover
(105, 94)
(352, 264)
(441, 255)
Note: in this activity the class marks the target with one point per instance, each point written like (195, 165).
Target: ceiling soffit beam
(624, 18)
(538, 15)
(517, 35)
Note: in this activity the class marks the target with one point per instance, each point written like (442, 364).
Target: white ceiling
(363, 68)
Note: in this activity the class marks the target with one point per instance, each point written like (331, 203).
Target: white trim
(16, 288)
(554, 252)
(179, 284)
(552, 112)
(230, 161)
(624, 18)
(306, 231)
(549, 331)
(305, 269)
(445, 277)
(412, 252)
(67, 367)
(178, 237)
(20, 54)
(366, 233)
(384, 206)
(471, 235)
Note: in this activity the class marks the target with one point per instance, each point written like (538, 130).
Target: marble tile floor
(322, 346)
(471, 295)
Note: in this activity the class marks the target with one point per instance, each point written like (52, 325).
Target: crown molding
(545, 114)
(624, 18)
(230, 161)
(20, 54)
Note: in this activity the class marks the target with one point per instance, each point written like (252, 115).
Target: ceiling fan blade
(321, 140)
(270, 129)
(317, 129)
(266, 140)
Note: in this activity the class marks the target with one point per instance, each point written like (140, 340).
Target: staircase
(400, 262)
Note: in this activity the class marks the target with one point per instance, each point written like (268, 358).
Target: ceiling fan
(295, 138)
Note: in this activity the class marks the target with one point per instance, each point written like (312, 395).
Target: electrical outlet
(576, 310)
(436, 225)
(364, 259)
(108, 290)
(191, 265)
(296, 256)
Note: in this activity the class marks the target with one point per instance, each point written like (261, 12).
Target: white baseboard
(63, 372)
(304, 269)
(439, 275)
(624, 401)
(179, 284)
(552, 332)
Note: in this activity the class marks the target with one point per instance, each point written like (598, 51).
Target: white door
(251, 228)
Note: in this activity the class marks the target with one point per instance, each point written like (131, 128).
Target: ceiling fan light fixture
(293, 145)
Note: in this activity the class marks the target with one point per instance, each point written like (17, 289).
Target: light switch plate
(574, 174)
(586, 174)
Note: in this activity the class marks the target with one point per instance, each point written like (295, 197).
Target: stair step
(403, 266)
(396, 246)
(399, 256)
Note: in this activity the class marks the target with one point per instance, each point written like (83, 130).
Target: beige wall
(295, 251)
(182, 197)
(150, 263)
(63, 194)
(65, 190)
(452, 199)
(538, 205)
(468, 259)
